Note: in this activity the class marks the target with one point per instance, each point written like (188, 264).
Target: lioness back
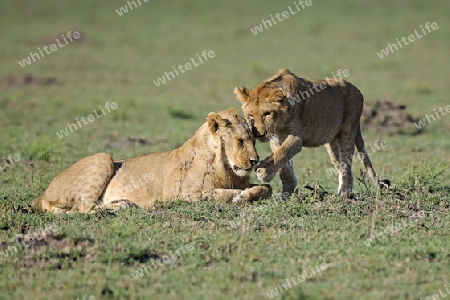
(139, 177)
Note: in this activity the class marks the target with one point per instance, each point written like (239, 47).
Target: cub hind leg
(364, 156)
(346, 141)
(79, 187)
(333, 152)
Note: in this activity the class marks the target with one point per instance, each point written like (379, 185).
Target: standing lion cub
(214, 164)
(293, 112)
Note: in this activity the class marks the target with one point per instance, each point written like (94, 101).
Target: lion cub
(214, 164)
(285, 111)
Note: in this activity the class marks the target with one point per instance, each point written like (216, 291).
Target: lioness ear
(214, 121)
(241, 93)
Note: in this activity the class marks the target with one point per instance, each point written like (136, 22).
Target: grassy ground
(225, 251)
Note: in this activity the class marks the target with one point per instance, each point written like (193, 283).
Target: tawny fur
(293, 112)
(214, 164)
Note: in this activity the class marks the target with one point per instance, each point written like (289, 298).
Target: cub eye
(250, 116)
(268, 113)
(241, 142)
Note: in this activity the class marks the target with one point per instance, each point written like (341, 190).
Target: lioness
(293, 112)
(214, 164)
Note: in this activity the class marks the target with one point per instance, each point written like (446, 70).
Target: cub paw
(266, 170)
(264, 174)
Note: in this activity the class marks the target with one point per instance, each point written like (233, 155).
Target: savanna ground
(237, 251)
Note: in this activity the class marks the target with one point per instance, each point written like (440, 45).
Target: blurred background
(118, 57)
(120, 54)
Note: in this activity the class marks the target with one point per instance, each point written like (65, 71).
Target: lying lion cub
(214, 164)
(293, 112)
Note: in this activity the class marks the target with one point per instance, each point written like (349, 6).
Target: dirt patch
(59, 36)
(32, 249)
(10, 80)
(132, 142)
(179, 114)
(384, 116)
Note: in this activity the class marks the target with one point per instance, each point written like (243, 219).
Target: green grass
(238, 251)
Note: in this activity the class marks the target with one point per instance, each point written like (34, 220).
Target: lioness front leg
(117, 205)
(249, 194)
(253, 193)
(268, 168)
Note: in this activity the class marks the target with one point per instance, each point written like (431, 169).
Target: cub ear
(279, 75)
(242, 94)
(283, 72)
(214, 121)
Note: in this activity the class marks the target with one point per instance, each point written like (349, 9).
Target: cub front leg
(288, 180)
(287, 176)
(268, 168)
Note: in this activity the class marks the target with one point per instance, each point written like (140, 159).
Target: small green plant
(422, 177)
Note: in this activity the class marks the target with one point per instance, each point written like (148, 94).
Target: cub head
(266, 106)
(232, 136)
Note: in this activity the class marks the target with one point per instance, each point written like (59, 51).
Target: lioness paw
(242, 196)
(254, 193)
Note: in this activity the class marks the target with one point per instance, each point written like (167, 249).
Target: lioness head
(233, 137)
(266, 106)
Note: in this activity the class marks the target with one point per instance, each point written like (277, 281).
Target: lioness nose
(254, 161)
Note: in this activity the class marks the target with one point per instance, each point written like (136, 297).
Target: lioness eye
(241, 142)
(266, 114)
